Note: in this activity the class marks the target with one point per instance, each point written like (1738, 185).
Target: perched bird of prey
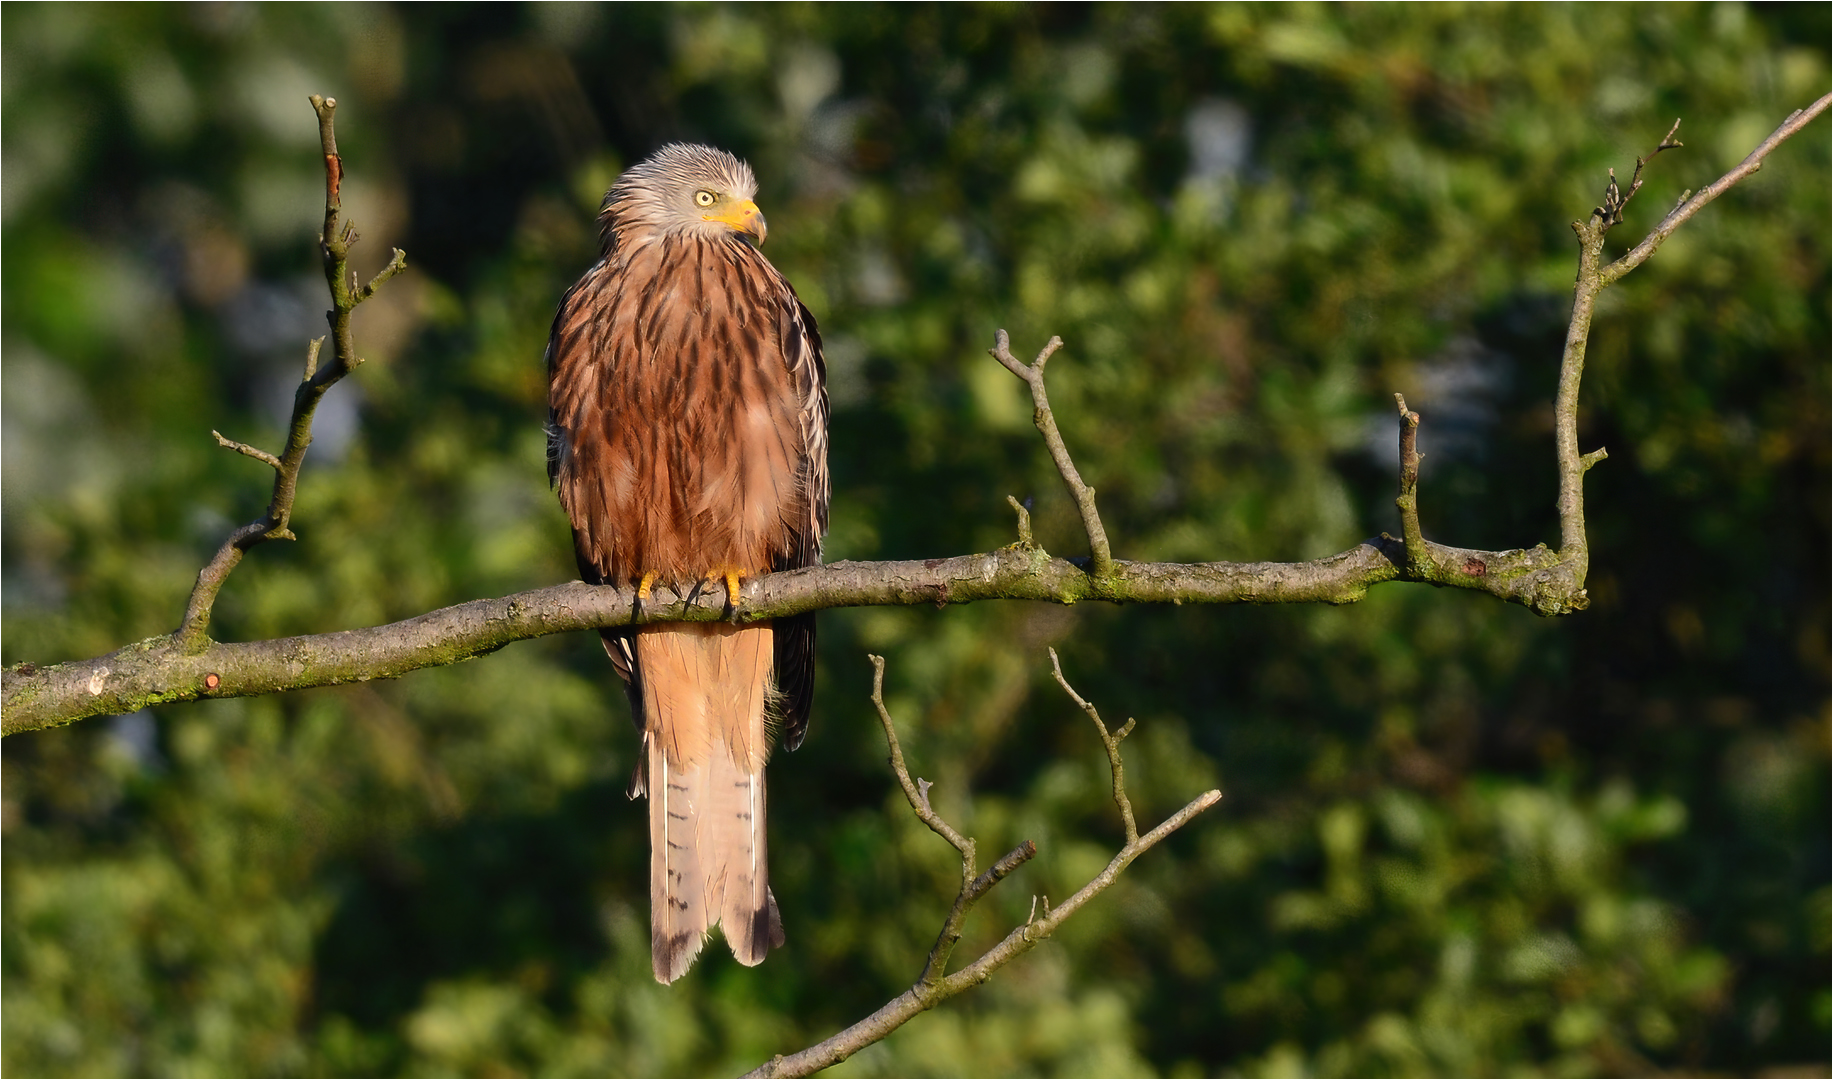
(687, 438)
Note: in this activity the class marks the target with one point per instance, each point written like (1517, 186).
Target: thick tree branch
(934, 986)
(345, 296)
(165, 669)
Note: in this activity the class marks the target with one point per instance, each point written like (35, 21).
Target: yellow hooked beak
(744, 217)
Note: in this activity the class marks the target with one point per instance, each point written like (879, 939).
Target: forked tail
(704, 687)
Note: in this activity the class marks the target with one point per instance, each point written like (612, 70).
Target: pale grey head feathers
(683, 188)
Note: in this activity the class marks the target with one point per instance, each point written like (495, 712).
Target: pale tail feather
(704, 689)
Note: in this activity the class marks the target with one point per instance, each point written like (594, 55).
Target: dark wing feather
(558, 339)
(795, 636)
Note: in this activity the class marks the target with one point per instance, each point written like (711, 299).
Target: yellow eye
(703, 198)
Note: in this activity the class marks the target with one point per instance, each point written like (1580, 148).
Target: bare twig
(1101, 559)
(972, 888)
(1408, 500)
(243, 448)
(1689, 206)
(1025, 539)
(1615, 199)
(1110, 742)
(345, 296)
(919, 798)
(1593, 277)
(934, 987)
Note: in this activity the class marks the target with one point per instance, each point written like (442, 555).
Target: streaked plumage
(688, 439)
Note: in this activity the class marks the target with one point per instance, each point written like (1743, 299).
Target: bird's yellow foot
(732, 577)
(643, 585)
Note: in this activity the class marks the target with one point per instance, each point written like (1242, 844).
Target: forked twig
(334, 248)
(1101, 558)
(1594, 275)
(1694, 203)
(1564, 573)
(917, 793)
(934, 986)
(1615, 198)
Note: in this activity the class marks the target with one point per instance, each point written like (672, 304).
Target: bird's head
(683, 188)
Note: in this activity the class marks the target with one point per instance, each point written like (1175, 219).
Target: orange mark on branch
(212, 681)
(334, 177)
(1476, 567)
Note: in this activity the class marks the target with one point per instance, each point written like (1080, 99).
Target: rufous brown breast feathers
(687, 439)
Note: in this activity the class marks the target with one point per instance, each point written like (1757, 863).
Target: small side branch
(1594, 275)
(1101, 558)
(918, 792)
(1023, 510)
(1615, 198)
(1418, 558)
(1111, 742)
(243, 448)
(334, 246)
(933, 988)
(1689, 206)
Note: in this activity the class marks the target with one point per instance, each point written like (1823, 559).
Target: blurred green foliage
(1457, 839)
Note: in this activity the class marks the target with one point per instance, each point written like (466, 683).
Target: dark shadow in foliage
(510, 897)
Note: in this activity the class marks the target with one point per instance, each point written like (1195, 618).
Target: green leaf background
(1456, 838)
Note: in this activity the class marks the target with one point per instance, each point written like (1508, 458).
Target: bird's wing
(800, 341)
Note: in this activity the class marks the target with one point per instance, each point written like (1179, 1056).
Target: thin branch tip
(1418, 552)
(247, 451)
(916, 792)
(1043, 356)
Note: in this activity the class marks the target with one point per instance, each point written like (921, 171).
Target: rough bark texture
(170, 668)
